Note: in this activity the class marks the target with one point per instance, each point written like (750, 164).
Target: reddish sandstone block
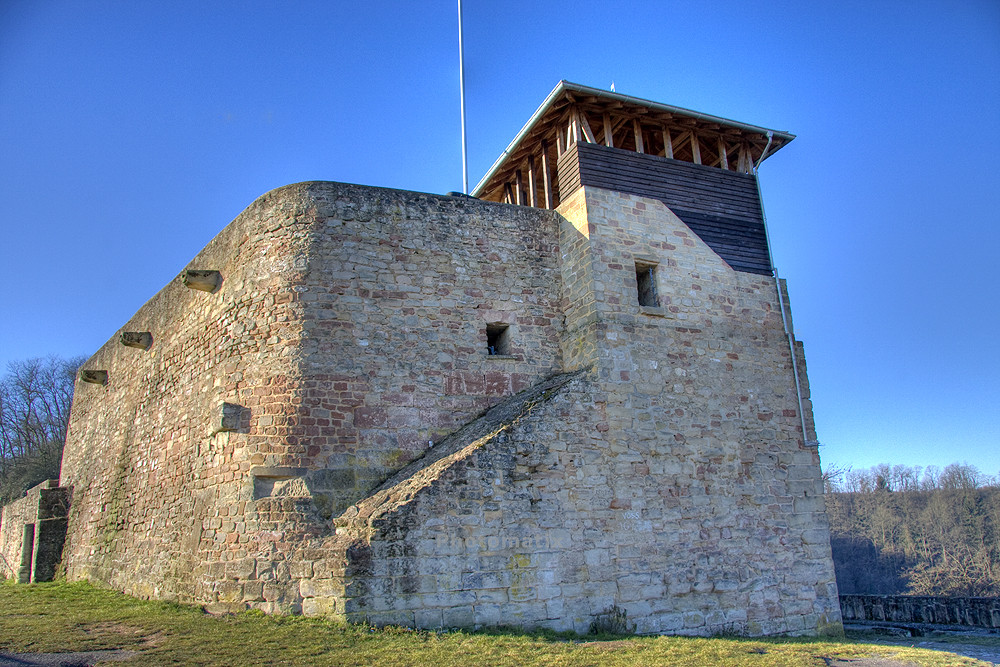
(497, 384)
(366, 417)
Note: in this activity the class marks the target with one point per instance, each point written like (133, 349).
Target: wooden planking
(685, 177)
(704, 189)
(568, 172)
(721, 207)
(681, 196)
(618, 156)
(694, 196)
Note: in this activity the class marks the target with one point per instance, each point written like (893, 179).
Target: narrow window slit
(497, 339)
(645, 279)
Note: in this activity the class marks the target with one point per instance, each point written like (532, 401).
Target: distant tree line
(35, 399)
(907, 530)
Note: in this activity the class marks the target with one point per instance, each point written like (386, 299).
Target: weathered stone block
(226, 417)
(205, 280)
(321, 588)
(142, 340)
(94, 376)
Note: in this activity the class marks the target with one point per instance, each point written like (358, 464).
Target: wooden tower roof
(526, 171)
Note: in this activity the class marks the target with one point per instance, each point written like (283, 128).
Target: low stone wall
(32, 530)
(977, 612)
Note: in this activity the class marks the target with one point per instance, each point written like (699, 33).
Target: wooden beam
(637, 129)
(518, 188)
(508, 196)
(531, 180)
(668, 144)
(609, 139)
(723, 158)
(588, 134)
(546, 176)
(682, 137)
(695, 148)
(560, 144)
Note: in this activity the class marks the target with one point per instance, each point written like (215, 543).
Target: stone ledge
(654, 311)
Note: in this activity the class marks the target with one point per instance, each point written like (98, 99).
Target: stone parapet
(922, 609)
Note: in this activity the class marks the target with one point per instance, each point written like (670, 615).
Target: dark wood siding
(568, 172)
(721, 207)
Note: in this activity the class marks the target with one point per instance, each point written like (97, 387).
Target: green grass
(61, 617)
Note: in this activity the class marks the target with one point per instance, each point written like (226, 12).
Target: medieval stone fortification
(441, 411)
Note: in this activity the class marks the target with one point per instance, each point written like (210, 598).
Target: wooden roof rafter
(574, 113)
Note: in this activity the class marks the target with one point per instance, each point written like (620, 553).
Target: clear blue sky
(131, 132)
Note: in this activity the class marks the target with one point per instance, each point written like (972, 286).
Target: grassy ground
(77, 617)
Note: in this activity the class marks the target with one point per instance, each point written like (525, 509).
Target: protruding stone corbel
(205, 280)
(139, 339)
(226, 418)
(94, 377)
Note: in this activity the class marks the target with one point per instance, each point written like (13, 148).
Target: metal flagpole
(461, 78)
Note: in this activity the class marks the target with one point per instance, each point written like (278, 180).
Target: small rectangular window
(497, 339)
(645, 280)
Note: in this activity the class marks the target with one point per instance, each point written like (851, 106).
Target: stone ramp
(358, 520)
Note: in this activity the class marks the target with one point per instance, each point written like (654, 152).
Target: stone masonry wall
(703, 422)
(272, 447)
(526, 526)
(32, 533)
(13, 517)
(155, 479)
(669, 480)
(400, 290)
(347, 333)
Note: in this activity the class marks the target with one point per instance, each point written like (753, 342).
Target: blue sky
(132, 132)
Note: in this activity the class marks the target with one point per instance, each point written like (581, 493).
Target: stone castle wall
(349, 328)
(270, 449)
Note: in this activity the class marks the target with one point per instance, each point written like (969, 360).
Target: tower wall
(703, 431)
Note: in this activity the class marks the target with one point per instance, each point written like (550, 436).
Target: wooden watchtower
(701, 167)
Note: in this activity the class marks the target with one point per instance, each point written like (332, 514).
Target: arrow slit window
(645, 280)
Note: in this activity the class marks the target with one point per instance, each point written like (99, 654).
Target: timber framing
(527, 172)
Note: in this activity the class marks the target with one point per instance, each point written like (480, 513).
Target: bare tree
(35, 400)
(961, 476)
(833, 475)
